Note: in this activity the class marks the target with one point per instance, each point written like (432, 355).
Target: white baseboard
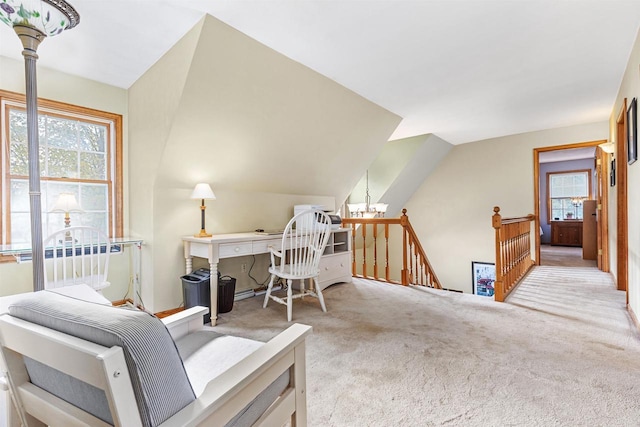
(243, 295)
(264, 291)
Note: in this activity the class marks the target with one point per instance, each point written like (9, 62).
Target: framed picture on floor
(632, 132)
(483, 275)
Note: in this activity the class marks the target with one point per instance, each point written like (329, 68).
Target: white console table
(22, 253)
(335, 265)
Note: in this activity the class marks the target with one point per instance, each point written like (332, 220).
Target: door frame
(602, 169)
(622, 214)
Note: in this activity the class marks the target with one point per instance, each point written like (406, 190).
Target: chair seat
(206, 354)
(286, 272)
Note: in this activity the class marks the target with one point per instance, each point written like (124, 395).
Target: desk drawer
(334, 267)
(228, 250)
(262, 246)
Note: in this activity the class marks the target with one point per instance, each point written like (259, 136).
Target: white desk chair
(303, 242)
(76, 255)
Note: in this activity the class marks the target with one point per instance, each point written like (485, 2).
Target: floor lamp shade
(50, 17)
(203, 192)
(33, 20)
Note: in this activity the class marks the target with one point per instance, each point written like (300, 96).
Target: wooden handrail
(416, 268)
(513, 251)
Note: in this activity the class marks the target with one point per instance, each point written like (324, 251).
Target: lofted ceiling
(464, 70)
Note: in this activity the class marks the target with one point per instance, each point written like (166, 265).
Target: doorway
(622, 270)
(570, 186)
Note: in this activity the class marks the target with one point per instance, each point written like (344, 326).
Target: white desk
(335, 265)
(22, 253)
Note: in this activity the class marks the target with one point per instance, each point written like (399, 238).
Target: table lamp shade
(203, 191)
(50, 17)
(66, 202)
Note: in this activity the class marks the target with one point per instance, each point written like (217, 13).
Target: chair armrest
(186, 321)
(274, 253)
(236, 387)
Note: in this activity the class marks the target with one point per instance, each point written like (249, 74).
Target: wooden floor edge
(160, 314)
(166, 313)
(634, 318)
(122, 302)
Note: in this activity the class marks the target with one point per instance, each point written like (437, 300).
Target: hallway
(581, 294)
(566, 256)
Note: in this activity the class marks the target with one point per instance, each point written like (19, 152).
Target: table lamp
(203, 191)
(66, 203)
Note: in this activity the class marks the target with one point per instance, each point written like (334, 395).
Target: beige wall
(57, 86)
(399, 169)
(629, 89)
(451, 212)
(263, 130)
(394, 176)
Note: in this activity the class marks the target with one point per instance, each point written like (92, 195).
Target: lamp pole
(31, 38)
(33, 20)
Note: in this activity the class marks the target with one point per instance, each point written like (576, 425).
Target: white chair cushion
(206, 354)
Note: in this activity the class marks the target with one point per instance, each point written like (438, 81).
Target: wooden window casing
(587, 172)
(112, 123)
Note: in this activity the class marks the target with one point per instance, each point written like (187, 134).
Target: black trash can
(226, 293)
(196, 290)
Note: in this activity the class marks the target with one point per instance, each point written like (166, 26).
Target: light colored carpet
(561, 353)
(564, 256)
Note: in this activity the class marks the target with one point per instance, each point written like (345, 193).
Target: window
(566, 191)
(80, 153)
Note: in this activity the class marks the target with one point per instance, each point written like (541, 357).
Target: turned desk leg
(214, 292)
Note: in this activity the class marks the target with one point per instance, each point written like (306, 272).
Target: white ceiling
(464, 70)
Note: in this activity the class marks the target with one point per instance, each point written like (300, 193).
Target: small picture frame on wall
(632, 132)
(612, 173)
(483, 275)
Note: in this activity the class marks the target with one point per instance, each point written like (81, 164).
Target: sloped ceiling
(251, 119)
(464, 70)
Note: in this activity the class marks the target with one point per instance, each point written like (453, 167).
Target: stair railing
(513, 251)
(368, 249)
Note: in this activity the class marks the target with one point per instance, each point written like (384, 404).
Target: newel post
(404, 221)
(496, 221)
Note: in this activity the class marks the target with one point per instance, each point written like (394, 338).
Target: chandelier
(367, 209)
(577, 201)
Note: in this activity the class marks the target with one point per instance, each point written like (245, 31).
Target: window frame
(568, 172)
(68, 111)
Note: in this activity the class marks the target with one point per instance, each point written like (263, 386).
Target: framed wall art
(632, 132)
(484, 276)
(612, 173)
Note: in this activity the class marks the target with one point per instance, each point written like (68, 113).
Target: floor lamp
(33, 20)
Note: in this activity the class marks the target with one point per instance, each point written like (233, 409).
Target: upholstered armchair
(73, 362)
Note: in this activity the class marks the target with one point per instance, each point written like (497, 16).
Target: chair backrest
(305, 237)
(155, 388)
(76, 255)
